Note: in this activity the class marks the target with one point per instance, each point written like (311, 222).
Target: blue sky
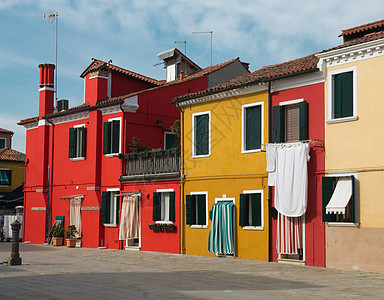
(132, 32)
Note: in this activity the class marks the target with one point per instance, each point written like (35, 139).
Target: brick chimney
(46, 89)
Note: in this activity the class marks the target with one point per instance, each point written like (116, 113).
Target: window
(5, 177)
(342, 95)
(3, 143)
(110, 205)
(111, 138)
(164, 206)
(252, 127)
(290, 121)
(251, 210)
(340, 199)
(201, 134)
(171, 141)
(77, 142)
(196, 210)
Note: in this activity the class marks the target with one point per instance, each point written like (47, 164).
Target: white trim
(342, 120)
(79, 126)
(43, 122)
(225, 199)
(98, 76)
(109, 110)
(193, 133)
(110, 225)
(164, 222)
(290, 102)
(262, 210)
(206, 209)
(77, 158)
(70, 117)
(164, 190)
(297, 81)
(120, 135)
(342, 224)
(330, 93)
(46, 88)
(131, 104)
(243, 107)
(113, 190)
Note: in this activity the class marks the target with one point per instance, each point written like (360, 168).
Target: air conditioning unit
(62, 105)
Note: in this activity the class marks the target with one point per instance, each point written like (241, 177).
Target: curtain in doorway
(75, 216)
(129, 221)
(289, 234)
(220, 240)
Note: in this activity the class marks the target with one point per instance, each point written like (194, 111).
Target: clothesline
(312, 141)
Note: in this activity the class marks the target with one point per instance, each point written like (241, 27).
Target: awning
(340, 197)
(13, 198)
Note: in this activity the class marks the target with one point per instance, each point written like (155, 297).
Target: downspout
(50, 186)
(121, 246)
(182, 182)
(270, 245)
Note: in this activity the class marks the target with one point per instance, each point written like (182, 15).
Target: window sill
(251, 151)
(77, 158)
(201, 156)
(341, 224)
(112, 155)
(165, 227)
(199, 226)
(258, 228)
(110, 225)
(342, 120)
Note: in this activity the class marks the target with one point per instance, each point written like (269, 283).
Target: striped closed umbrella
(220, 238)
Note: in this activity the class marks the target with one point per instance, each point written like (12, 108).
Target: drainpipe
(182, 182)
(123, 164)
(270, 245)
(50, 184)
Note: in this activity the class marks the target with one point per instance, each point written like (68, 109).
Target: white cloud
(10, 123)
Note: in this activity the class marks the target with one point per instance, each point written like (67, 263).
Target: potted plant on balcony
(70, 235)
(58, 235)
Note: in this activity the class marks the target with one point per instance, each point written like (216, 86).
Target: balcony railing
(164, 164)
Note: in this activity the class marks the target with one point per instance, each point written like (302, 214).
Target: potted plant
(70, 236)
(58, 235)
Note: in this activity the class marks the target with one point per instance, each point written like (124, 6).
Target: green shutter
(2, 143)
(115, 136)
(328, 187)
(72, 143)
(188, 210)
(303, 120)
(105, 207)
(253, 127)
(243, 213)
(354, 208)
(83, 142)
(117, 209)
(202, 134)
(107, 138)
(172, 208)
(278, 122)
(171, 141)
(156, 209)
(201, 210)
(256, 209)
(343, 95)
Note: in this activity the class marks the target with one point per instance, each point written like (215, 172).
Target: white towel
(271, 150)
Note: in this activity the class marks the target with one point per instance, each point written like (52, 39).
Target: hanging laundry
(271, 150)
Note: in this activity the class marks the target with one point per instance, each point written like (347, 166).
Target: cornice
(350, 54)
(297, 81)
(31, 125)
(70, 117)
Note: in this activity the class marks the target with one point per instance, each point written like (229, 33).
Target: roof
(366, 27)
(98, 64)
(171, 53)
(9, 154)
(5, 131)
(29, 120)
(267, 73)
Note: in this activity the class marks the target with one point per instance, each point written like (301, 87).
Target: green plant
(137, 146)
(70, 233)
(175, 128)
(58, 231)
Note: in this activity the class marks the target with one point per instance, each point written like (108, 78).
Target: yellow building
(353, 203)
(223, 132)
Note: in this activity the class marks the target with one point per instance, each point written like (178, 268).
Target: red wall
(314, 227)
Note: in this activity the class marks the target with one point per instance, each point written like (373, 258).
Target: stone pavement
(78, 273)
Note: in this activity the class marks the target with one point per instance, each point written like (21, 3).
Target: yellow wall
(226, 171)
(17, 175)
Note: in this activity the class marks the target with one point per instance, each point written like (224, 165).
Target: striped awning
(340, 197)
(220, 240)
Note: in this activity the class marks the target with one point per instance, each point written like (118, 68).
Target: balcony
(148, 166)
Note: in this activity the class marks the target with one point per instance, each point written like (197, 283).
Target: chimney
(46, 89)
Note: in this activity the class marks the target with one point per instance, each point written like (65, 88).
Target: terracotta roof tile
(2, 130)
(29, 120)
(366, 27)
(97, 64)
(9, 154)
(81, 107)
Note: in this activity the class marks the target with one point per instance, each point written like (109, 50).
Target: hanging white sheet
(340, 197)
(271, 150)
(129, 220)
(75, 216)
(292, 179)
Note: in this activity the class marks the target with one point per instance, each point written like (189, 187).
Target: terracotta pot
(71, 243)
(57, 241)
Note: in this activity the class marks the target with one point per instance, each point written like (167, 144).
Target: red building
(75, 164)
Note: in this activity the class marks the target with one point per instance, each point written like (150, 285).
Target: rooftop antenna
(185, 46)
(210, 32)
(54, 17)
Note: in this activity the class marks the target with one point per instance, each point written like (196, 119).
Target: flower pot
(57, 241)
(71, 243)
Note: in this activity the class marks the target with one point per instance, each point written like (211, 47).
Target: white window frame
(77, 158)
(165, 138)
(120, 135)
(165, 191)
(357, 200)
(113, 202)
(5, 141)
(206, 209)
(260, 228)
(332, 120)
(243, 135)
(193, 134)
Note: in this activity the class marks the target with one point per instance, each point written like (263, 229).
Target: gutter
(50, 192)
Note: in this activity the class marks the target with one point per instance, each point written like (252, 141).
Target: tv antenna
(211, 33)
(185, 46)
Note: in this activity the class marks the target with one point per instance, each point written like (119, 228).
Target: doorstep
(132, 248)
(291, 261)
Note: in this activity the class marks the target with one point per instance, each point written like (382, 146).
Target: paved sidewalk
(78, 273)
